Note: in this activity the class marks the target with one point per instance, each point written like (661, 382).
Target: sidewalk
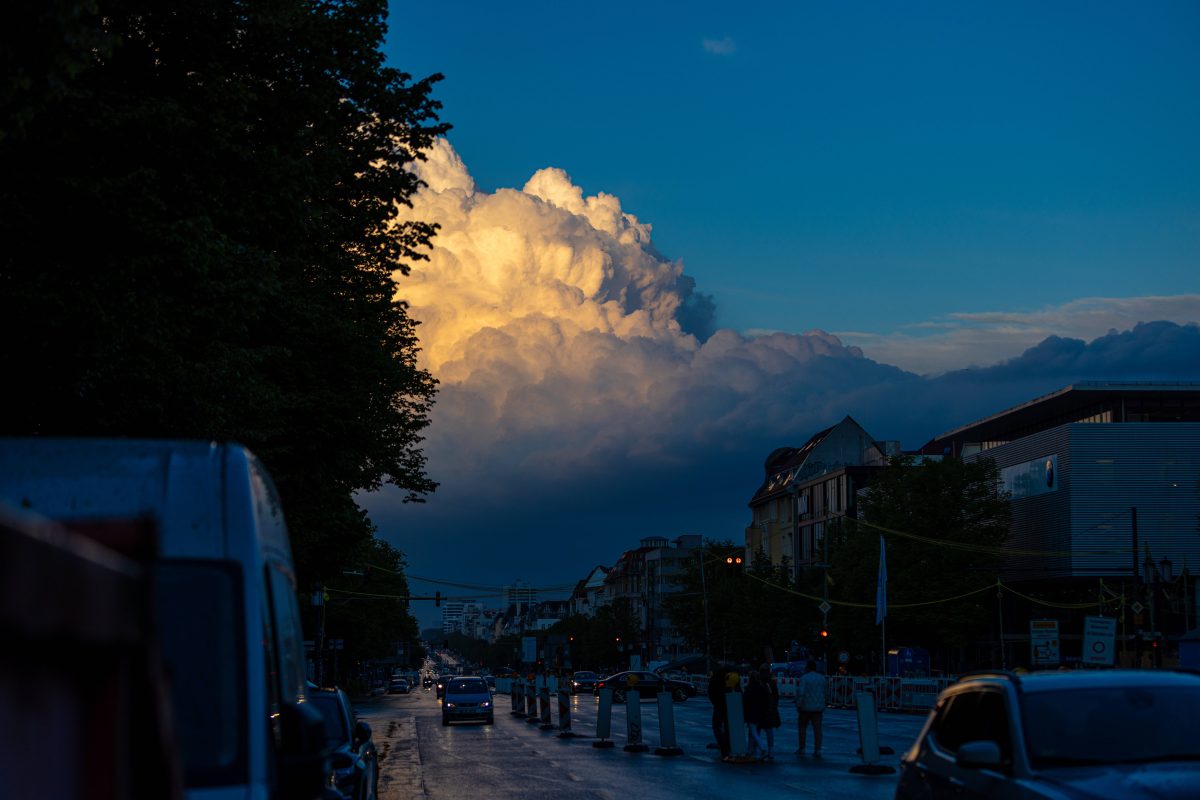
(400, 761)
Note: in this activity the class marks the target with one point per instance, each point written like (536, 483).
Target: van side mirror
(362, 734)
(982, 753)
(303, 756)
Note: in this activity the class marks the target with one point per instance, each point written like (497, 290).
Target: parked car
(645, 685)
(224, 590)
(354, 765)
(397, 685)
(583, 681)
(467, 698)
(1095, 734)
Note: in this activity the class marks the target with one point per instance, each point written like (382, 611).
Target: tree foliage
(198, 215)
(950, 501)
(749, 609)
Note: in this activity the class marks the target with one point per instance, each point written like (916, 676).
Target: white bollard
(564, 711)
(667, 745)
(633, 722)
(544, 703)
(531, 715)
(738, 746)
(515, 692)
(868, 737)
(604, 719)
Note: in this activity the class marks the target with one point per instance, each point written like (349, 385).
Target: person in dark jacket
(773, 719)
(720, 716)
(756, 700)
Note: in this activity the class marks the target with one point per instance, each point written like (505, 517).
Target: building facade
(807, 488)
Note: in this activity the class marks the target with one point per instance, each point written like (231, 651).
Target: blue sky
(848, 167)
(980, 204)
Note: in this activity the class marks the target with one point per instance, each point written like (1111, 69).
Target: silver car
(467, 698)
(1094, 734)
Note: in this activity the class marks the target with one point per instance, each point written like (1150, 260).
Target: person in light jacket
(810, 706)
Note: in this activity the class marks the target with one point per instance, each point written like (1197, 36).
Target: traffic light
(824, 634)
(734, 560)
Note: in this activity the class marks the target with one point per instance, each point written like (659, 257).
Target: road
(422, 760)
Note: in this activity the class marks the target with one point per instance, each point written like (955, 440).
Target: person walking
(756, 699)
(772, 720)
(720, 716)
(810, 706)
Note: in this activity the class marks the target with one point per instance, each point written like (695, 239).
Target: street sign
(1099, 635)
(824, 606)
(1043, 641)
(1137, 607)
(843, 657)
(528, 649)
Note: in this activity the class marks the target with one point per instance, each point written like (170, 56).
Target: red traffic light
(824, 633)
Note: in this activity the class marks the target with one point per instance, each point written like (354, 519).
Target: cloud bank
(588, 399)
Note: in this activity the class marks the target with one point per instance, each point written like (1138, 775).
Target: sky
(671, 243)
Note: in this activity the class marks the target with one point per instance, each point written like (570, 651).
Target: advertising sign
(1031, 478)
(528, 649)
(1043, 642)
(1099, 640)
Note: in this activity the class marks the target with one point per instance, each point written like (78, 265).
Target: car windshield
(1108, 725)
(473, 686)
(585, 676)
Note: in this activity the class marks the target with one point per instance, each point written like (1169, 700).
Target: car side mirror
(983, 753)
(303, 757)
(362, 734)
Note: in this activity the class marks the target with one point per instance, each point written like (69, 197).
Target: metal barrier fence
(891, 694)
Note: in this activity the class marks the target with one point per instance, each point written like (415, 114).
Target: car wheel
(679, 694)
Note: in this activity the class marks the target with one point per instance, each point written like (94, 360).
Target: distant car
(355, 768)
(467, 698)
(583, 681)
(1093, 734)
(397, 686)
(440, 685)
(645, 685)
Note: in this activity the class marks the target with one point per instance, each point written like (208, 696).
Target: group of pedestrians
(760, 704)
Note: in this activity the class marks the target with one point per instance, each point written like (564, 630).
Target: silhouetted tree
(197, 213)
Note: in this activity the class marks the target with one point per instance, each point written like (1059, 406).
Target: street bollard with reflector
(604, 719)
(667, 745)
(738, 746)
(515, 692)
(564, 711)
(544, 702)
(531, 715)
(633, 722)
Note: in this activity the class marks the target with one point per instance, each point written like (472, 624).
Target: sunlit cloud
(720, 47)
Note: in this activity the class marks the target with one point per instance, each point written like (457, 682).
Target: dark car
(355, 774)
(467, 697)
(1095, 734)
(645, 685)
(583, 681)
(397, 685)
(440, 684)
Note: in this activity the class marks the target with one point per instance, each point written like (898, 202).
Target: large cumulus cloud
(588, 399)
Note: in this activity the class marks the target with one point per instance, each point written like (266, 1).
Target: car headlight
(485, 704)
(449, 705)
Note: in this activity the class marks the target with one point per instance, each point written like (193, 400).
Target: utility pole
(1137, 585)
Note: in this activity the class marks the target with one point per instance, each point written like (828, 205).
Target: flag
(881, 587)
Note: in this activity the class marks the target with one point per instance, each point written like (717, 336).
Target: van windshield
(199, 617)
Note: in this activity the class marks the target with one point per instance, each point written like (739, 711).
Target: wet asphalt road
(513, 759)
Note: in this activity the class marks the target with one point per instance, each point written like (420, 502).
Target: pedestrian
(720, 716)
(773, 720)
(755, 700)
(810, 705)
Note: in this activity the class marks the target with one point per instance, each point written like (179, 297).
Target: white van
(224, 597)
